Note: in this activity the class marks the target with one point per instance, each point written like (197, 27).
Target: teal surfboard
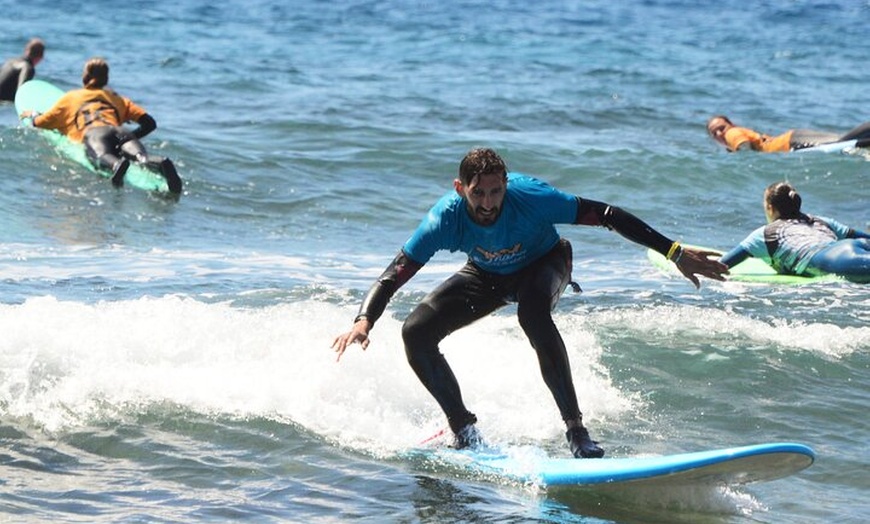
(719, 467)
(750, 270)
(40, 96)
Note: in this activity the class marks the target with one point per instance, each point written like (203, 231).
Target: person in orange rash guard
(94, 115)
(735, 138)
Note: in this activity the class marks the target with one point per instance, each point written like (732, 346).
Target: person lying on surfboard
(94, 115)
(16, 71)
(505, 223)
(794, 243)
(735, 138)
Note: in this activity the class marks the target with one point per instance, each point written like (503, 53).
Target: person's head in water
(35, 50)
(95, 74)
(482, 183)
(781, 200)
(717, 126)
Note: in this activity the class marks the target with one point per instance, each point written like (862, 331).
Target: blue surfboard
(719, 467)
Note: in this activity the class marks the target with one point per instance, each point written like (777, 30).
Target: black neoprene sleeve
(400, 270)
(146, 125)
(594, 213)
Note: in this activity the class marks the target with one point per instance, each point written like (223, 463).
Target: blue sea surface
(170, 361)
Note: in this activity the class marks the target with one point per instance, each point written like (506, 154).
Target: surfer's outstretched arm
(400, 270)
(690, 261)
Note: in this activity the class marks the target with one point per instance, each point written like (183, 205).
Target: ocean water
(166, 361)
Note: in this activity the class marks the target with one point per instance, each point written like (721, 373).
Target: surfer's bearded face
(483, 197)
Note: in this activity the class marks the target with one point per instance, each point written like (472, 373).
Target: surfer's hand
(358, 333)
(698, 262)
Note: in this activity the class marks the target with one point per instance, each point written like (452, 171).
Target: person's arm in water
(400, 271)
(689, 261)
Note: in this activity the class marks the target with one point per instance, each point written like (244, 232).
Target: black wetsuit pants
(106, 144)
(804, 138)
(860, 133)
(471, 294)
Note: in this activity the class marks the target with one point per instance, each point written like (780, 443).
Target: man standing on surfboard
(94, 115)
(505, 223)
(735, 138)
(16, 71)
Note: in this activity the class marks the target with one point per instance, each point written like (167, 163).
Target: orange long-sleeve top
(737, 136)
(78, 110)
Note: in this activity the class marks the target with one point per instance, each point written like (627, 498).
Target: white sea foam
(67, 364)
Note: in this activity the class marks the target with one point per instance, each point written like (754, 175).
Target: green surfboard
(750, 270)
(40, 96)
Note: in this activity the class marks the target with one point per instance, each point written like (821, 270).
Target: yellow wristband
(674, 247)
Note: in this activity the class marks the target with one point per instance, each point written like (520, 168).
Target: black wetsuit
(105, 145)
(861, 134)
(473, 293)
(804, 138)
(13, 73)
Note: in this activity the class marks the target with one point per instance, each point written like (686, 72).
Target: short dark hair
(480, 161)
(35, 48)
